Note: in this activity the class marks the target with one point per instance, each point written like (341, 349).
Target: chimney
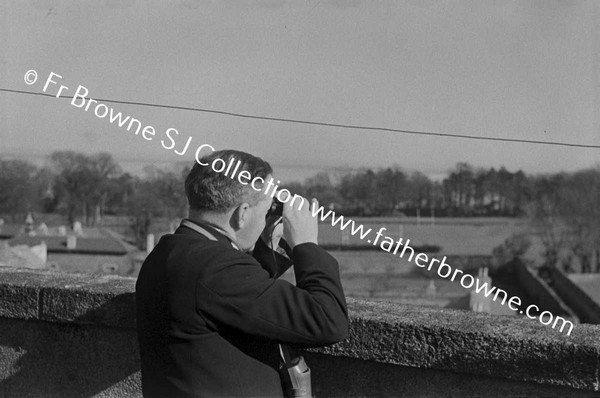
(29, 227)
(431, 289)
(71, 242)
(149, 243)
(77, 228)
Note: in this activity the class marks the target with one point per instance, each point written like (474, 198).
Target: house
(83, 254)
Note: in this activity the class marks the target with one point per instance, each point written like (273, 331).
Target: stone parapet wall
(74, 335)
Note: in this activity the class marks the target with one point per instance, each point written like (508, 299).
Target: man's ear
(241, 216)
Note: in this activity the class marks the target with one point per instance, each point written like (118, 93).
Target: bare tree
(566, 213)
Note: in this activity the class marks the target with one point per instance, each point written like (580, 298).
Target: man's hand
(273, 232)
(299, 226)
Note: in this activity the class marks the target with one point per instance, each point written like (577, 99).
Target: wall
(73, 335)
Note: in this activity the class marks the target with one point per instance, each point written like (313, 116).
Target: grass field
(376, 274)
(455, 236)
(382, 276)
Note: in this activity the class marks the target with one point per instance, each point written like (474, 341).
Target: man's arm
(276, 265)
(242, 295)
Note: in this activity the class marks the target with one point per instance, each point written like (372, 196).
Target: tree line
(563, 207)
(464, 192)
(87, 187)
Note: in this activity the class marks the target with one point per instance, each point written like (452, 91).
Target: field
(375, 274)
(382, 276)
(455, 236)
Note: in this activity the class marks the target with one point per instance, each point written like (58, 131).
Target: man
(211, 317)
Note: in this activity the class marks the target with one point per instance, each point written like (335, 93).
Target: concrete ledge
(512, 348)
(502, 346)
(107, 300)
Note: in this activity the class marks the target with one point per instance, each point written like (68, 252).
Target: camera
(295, 374)
(276, 208)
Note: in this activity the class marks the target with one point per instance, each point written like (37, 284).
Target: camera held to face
(276, 208)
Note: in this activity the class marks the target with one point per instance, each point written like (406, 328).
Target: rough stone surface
(19, 301)
(475, 343)
(347, 377)
(43, 359)
(104, 300)
(86, 299)
(73, 335)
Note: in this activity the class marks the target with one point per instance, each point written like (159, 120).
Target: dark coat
(209, 317)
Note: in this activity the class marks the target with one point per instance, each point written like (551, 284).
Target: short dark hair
(209, 190)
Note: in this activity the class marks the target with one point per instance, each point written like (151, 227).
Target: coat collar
(209, 231)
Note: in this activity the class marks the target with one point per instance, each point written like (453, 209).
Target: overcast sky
(507, 69)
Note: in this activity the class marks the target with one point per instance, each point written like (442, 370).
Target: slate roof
(7, 231)
(58, 244)
(589, 283)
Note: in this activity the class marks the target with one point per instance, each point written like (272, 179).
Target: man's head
(216, 196)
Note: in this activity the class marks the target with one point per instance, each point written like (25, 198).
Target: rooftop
(589, 283)
(85, 245)
(7, 231)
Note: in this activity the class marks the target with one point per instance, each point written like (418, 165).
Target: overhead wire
(315, 123)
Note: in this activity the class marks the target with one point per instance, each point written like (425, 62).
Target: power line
(325, 124)
(133, 159)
